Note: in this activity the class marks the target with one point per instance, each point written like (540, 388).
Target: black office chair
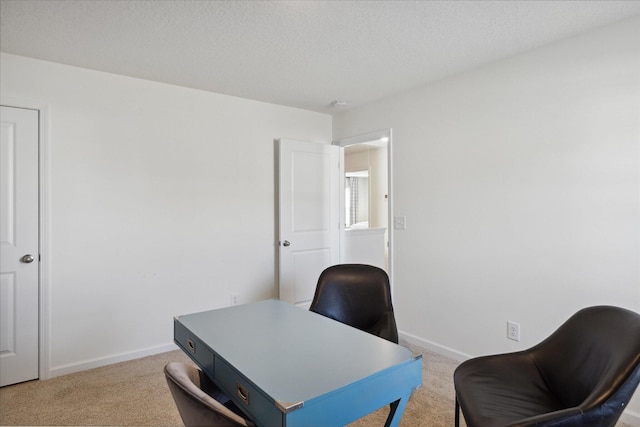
(358, 295)
(200, 402)
(583, 374)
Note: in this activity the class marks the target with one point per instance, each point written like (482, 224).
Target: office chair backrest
(358, 295)
(195, 396)
(590, 356)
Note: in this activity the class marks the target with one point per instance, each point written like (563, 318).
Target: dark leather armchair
(583, 374)
(358, 295)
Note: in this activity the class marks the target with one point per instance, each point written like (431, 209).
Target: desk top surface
(290, 353)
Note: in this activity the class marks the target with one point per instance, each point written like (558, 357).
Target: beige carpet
(135, 394)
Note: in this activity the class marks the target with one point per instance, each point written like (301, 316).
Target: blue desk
(285, 366)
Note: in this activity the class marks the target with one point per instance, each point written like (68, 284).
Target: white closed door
(308, 209)
(19, 245)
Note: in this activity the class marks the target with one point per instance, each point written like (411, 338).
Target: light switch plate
(400, 222)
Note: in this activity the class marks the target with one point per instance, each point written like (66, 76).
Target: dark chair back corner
(358, 295)
(599, 348)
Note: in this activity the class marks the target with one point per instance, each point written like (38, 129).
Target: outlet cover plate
(513, 330)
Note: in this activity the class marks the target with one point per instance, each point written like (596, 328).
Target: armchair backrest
(588, 358)
(358, 295)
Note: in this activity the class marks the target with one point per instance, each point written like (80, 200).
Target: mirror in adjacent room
(356, 199)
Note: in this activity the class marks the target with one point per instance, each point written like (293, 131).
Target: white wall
(161, 203)
(520, 181)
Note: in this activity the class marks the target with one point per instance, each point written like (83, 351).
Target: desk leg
(397, 408)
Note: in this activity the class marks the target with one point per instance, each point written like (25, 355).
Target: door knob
(286, 243)
(27, 259)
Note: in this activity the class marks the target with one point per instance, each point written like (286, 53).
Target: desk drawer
(193, 346)
(246, 396)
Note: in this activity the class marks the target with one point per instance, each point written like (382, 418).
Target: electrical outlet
(513, 330)
(235, 299)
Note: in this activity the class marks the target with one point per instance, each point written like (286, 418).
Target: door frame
(44, 266)
(368, 137)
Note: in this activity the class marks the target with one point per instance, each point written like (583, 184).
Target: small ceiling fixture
(339, 103)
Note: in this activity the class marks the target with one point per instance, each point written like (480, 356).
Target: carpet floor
(135, 393)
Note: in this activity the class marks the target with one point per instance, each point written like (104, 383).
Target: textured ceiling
(303, 54)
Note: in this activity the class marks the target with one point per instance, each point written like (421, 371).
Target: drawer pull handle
(243, 393)
(191, 345)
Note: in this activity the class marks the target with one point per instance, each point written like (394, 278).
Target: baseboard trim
(435, 347)
(109, 360)
(628, 416)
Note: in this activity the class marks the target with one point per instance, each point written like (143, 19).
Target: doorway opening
(367, 207)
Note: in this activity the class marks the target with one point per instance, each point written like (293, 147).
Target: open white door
(19, 245)
(309, 216)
